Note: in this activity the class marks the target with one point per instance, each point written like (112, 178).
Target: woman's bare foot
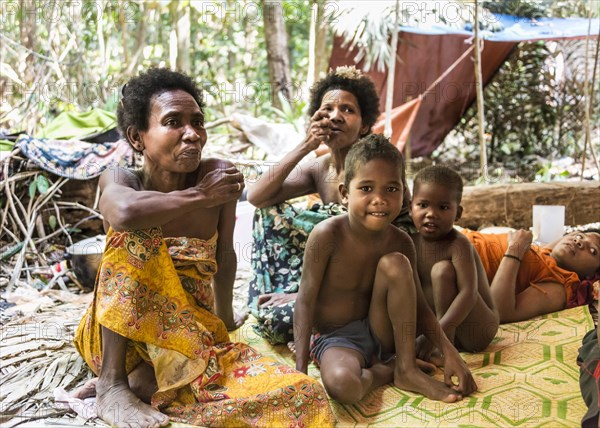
(419, 382)
(118, 406)
(142, 382)
(87, 390)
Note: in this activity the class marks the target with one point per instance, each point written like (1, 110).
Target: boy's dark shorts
(356, 335)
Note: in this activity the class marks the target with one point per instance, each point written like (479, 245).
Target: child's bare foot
(292, 347)
(118, 406)
(419, 382)
(382, 372)
(87, 390)
(426, 367)
(437, 358)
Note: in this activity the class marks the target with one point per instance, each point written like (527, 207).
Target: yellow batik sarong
(157, 293)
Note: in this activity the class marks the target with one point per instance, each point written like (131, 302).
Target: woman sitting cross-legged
(154, 332)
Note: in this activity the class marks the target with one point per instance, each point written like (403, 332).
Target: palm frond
(367, 26)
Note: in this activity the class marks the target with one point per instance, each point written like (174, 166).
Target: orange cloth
(537, 266)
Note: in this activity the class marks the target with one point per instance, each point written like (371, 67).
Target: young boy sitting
(450, 271)
(360, 293)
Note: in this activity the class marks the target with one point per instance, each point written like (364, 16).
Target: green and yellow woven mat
(527, 377)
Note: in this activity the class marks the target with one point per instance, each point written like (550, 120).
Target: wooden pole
(389, 96)
(586, 95)
(479, 90)
(312, 45)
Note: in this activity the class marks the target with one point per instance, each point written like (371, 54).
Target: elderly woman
(154, 332)
(344, 105)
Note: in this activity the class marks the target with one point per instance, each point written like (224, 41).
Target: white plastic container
(242, 235)
(548, 223)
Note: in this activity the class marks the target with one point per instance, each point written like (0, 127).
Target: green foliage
(522, 8)
(52, 222)
(89, 49)
(83, 55)
(39, 184)
(548, 173)
(292, 113)
(42, 184)
(534, 105)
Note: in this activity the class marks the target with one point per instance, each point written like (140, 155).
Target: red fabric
(584, 294)
(421, 60)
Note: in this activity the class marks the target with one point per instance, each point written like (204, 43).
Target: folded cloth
(75, 159)
(71, 125)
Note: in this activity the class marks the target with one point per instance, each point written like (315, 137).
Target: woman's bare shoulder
(122, 177)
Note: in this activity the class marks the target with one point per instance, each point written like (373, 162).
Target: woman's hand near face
(220, 186)
(319, 130)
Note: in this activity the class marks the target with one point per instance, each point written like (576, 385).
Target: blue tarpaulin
(508, 28)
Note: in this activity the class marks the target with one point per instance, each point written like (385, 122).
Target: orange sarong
(158, 293)
(537, 266)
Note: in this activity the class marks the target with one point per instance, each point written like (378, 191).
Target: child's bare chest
(430, 253)
(354, 266)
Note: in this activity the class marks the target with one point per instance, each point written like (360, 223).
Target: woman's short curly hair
(134, 107)
(351, 80)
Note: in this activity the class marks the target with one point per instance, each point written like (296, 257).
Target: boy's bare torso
(347, 285)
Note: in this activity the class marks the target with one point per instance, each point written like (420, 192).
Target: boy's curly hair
(373, 146)
(354, 81)
(441, 175)
(134, 107)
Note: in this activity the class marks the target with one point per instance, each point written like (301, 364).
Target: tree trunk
(140, 40)
(277, 51)
(124, 35)
(317, 55)
(391, 70)
(510, 204)
(183, 40)
(479, 90)
(27, 36)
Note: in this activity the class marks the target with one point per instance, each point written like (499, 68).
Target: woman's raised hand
(221, 185)
(319, 130)
(519, 241)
